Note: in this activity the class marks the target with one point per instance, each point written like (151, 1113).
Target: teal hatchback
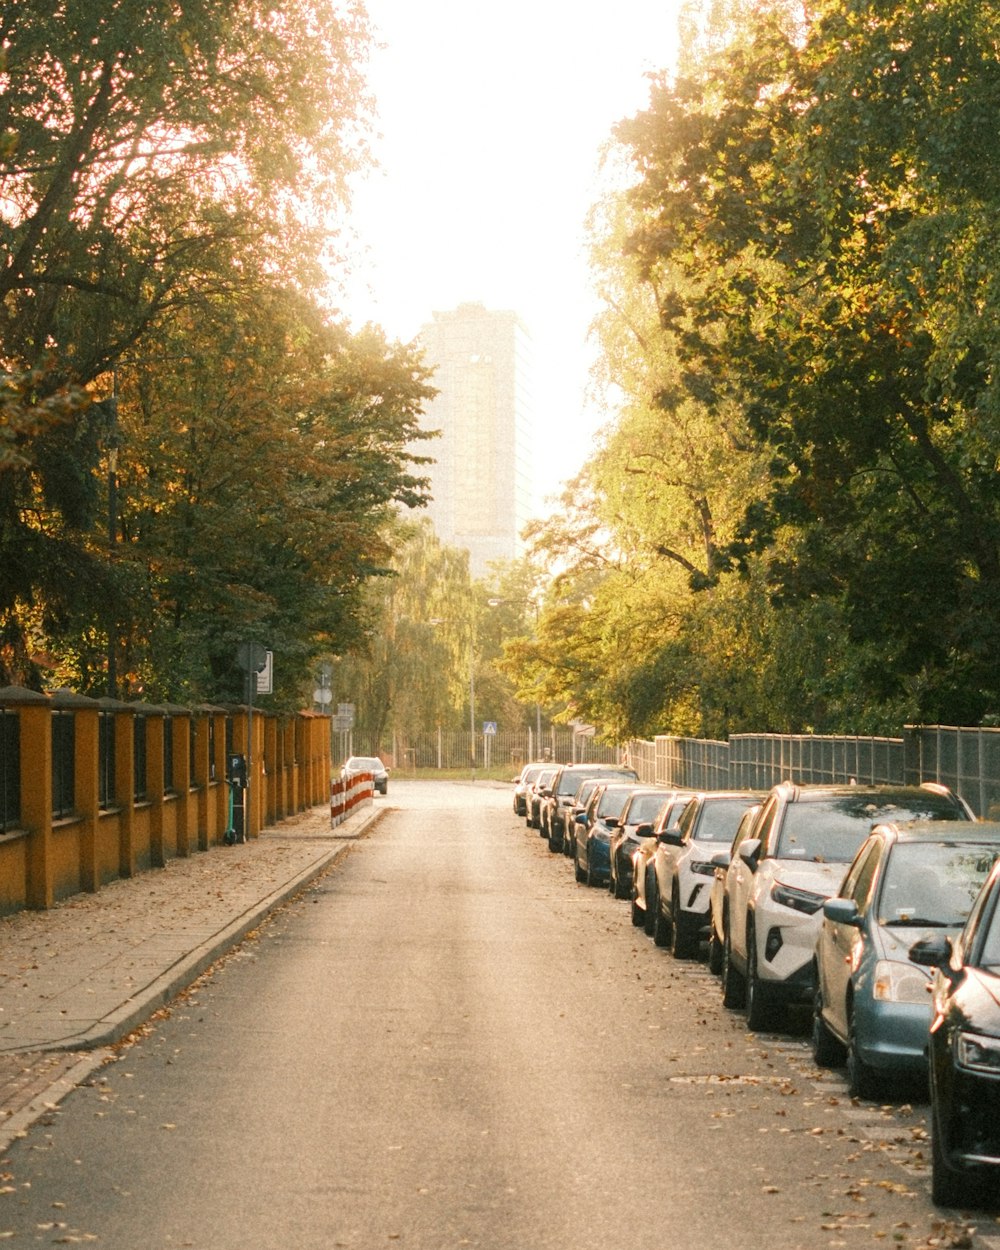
(907, 882)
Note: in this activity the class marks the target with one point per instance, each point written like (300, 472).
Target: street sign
(265, 675)
(489, 726)
(323, 695)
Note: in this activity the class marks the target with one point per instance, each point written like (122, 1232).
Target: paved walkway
(78, 978)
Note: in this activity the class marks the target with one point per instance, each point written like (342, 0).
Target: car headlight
(805, 901)
(896, 982)
(977, 1052)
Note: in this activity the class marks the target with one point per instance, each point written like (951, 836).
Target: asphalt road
(446, 1042)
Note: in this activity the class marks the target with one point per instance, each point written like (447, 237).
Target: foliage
(801, 330)
(193, 453)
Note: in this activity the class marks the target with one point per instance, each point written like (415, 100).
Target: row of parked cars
(877, 907)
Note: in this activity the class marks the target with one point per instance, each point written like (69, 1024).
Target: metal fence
(504, 749)
(966, 760)
(759, 761)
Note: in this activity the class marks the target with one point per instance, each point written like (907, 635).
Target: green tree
(835, 236)
(152, 158)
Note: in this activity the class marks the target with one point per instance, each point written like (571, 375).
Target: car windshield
(830, 830)
(365, 763)
(720, 818)
(586, 790)
(644, 807)
(933, 883)
(570, 780)
(612, 801)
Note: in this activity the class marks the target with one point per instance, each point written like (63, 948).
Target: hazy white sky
(492, 117)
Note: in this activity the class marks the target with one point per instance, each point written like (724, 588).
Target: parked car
(872, 1004)
(521, 782)
(796, 857)
(534, 796)
(682, 866)
(358, 764)
(643, 878)
(563, 790)
(964, 1054)
(592, 855)
(641, 810)
(717, 894)
(577, 814)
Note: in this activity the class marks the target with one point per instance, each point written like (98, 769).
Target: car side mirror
(722, 860)
(932, 951)
(750, 853)
(842, 911)
(670, 837)
(612, 822)
(644, 830)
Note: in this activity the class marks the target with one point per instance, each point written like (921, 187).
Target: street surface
(446, 1042)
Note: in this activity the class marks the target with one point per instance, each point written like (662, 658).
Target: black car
(562, 791)
(641, 810)
(964, 1054)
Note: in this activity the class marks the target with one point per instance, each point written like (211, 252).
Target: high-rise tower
(480, 482)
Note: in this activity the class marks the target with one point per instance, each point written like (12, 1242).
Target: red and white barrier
(346, 795)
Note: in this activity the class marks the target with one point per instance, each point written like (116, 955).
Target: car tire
(715, 953)
(555, 844)
(734, 986)
(619, 888)
(661, 926)
(580, 873)
(863, 1080)
(638, 914)
(761, 1010)
(949, 1187)
(650, 918)
(683, 935)
(828, 1050)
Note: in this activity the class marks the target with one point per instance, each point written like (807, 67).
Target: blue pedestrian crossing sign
(489, 726)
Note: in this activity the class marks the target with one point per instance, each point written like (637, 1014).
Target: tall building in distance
(481, 481)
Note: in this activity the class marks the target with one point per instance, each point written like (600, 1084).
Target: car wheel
(760, 1006)
(683, 936)
(828, 1050)
(620, 888)
(638, 914)
(650, 917)
(862, 1079)
(734, 986)
(555, 843)
(949, 1187)
(661, 926)
(580, 873)
(715, 952)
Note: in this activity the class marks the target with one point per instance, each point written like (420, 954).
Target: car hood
(895, 942)
(808, 875)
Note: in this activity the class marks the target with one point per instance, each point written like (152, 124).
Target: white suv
(792, 860)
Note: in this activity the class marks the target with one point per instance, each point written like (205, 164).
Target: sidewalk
(78, 978)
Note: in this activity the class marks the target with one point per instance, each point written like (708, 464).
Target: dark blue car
(592, 849)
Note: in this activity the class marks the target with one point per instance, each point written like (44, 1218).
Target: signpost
(253, 659)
